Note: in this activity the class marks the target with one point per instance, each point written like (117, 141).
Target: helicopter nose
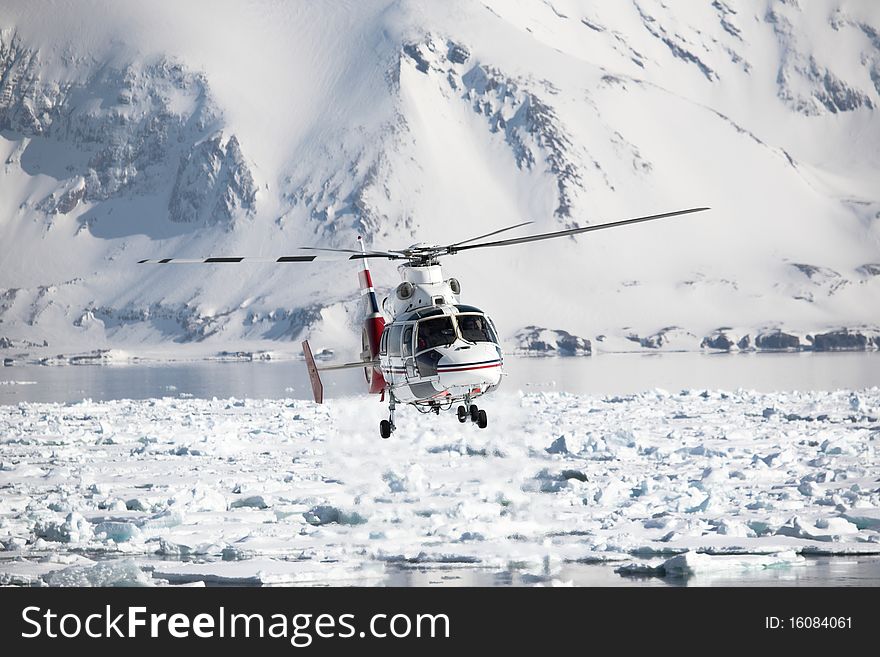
(476, 365)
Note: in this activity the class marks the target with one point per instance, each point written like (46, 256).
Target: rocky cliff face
(809, 86)
(355, 198)
(520, 110)
(213, 181)
(131, 130)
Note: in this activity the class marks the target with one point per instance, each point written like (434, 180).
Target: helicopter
(435, 353)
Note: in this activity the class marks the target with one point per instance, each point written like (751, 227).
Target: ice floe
(285, 491)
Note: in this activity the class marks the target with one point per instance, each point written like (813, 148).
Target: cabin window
(383, 342)
(406, 346)
(394, 340)
(476, 328)
(435, 332)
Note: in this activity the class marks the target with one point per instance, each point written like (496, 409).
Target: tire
(474, 413)
(482, 419)
(385, 429)
(462, 414)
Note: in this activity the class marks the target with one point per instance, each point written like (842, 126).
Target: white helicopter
(436, 352)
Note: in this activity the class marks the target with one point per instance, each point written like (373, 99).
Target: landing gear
(477, 416)
(464, 412)
(386, 427)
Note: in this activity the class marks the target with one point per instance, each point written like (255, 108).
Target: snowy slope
(251, 129)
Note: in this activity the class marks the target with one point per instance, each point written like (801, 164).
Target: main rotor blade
(250, 259)
(575, 231)
(494, 232)
(376, 254)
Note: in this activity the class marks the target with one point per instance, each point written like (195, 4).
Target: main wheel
(482, 419)
(474, 413)
(385, 429)
(462, 414)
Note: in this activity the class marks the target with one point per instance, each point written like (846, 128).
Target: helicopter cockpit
(474, 327)
(443, 331)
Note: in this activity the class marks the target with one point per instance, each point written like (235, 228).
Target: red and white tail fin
(374, 324)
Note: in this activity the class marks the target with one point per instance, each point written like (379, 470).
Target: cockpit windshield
(475, 328)
(435, 332)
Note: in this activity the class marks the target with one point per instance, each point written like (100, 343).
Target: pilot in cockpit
(473, 328)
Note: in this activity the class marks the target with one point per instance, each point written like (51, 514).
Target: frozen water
(108, 573)
(270, 482)
(693, 563)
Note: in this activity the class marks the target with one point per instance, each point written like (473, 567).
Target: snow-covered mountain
(192, 129)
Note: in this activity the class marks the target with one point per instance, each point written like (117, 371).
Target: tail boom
(374, 324)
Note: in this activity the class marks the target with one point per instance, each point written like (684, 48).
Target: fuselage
(436, 350)
(440, 354)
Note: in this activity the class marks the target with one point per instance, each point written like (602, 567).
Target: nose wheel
(476, 415)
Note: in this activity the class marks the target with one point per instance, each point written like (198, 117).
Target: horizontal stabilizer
(349, 366)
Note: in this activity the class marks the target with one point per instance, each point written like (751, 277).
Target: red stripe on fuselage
(440, 370)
